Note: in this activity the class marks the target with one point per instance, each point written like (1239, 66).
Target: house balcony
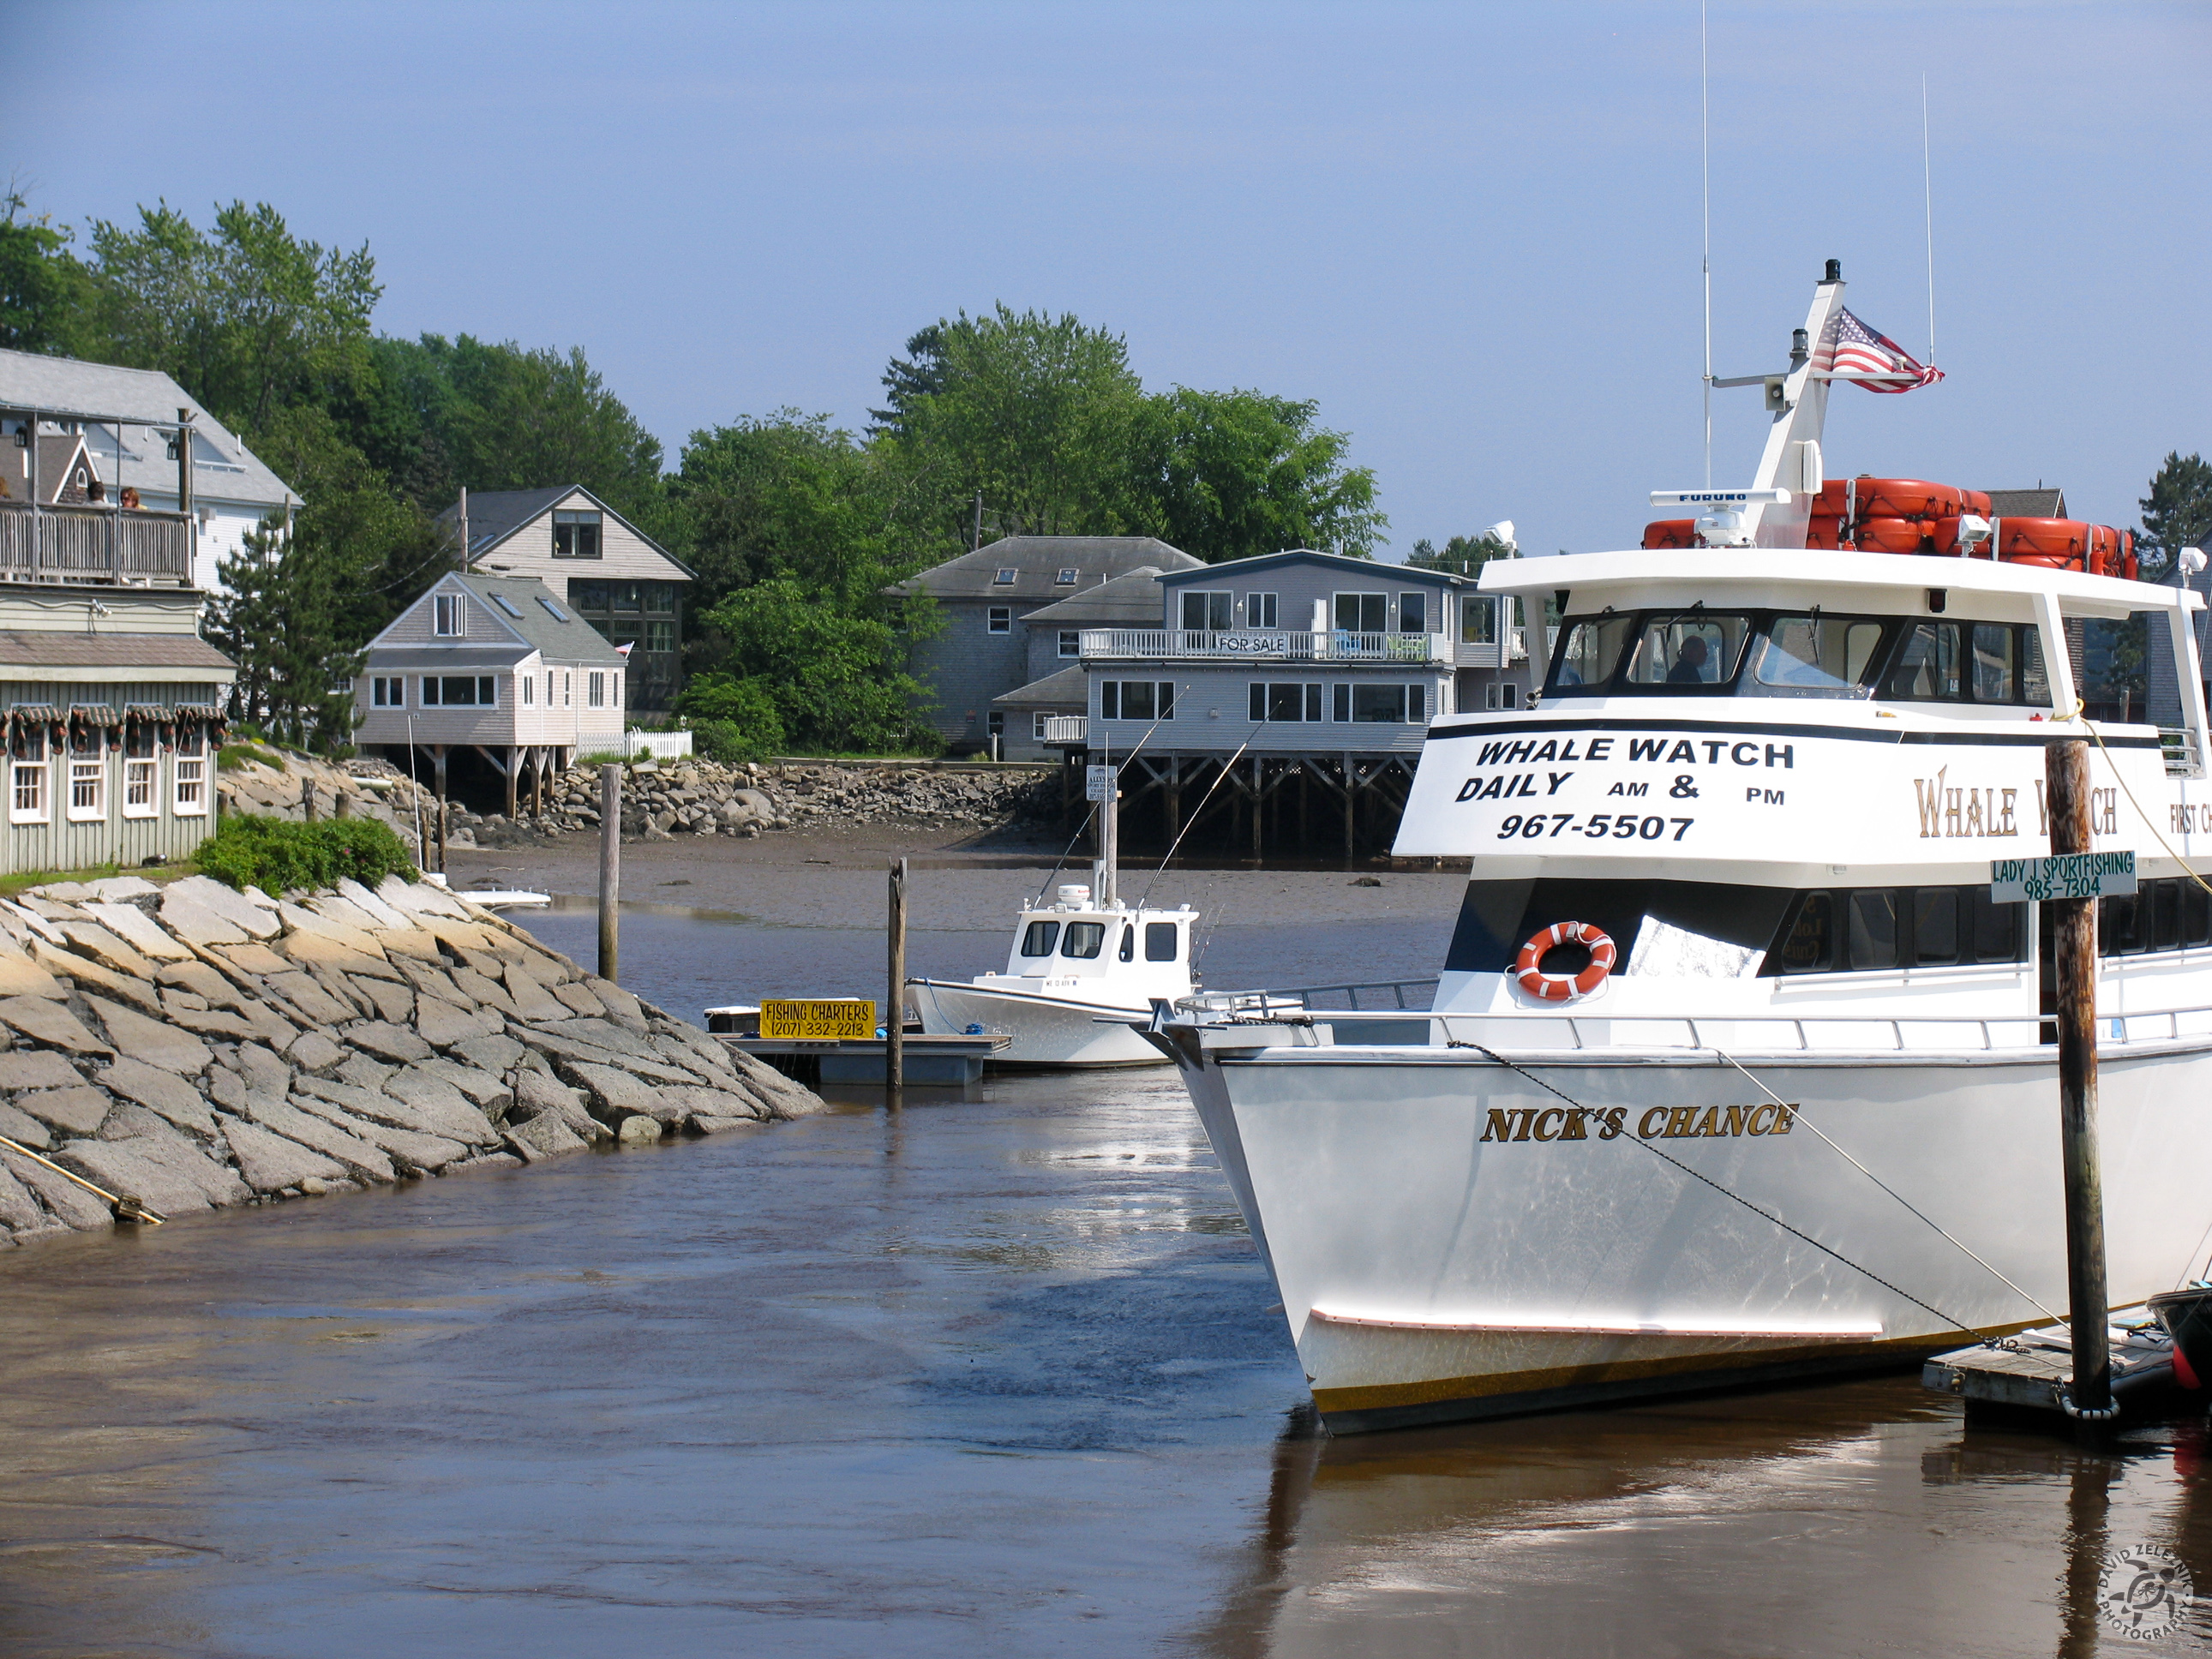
(122, 546)
(1067, 731)
(1260, 644)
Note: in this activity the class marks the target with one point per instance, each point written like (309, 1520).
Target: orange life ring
(1565, 988)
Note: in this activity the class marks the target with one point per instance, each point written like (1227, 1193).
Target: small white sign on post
(1098, 783)
(2067, 876)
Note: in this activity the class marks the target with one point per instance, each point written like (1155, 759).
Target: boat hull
(1046, 1032)
(1448, 1242)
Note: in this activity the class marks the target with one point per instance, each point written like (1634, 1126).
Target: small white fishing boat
(1081, 968)
(1078, 973)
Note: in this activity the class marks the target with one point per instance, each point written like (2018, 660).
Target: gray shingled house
(986, 599)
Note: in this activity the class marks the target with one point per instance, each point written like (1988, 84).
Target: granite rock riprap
(663, 799)
(190, 1047)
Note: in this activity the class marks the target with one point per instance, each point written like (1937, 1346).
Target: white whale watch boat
(1082, 972)
(1799, 1113)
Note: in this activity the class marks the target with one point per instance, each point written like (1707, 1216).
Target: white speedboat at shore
(1735, 1069)
(1080, 974)
(1084, 972)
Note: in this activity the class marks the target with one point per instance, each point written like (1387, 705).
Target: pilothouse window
(1039, 938)
(1686, 650)
(1812, 656)
(1084, 939)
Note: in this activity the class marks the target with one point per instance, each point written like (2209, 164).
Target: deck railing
(1264, 645)
(1522, 1031)
(93, 544)
(1066, 728)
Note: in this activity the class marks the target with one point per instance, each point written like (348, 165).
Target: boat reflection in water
(1840, 1518)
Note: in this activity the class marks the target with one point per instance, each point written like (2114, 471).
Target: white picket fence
(661, 745)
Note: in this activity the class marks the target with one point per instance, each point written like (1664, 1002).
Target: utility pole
(2074, 934)
(976, 544)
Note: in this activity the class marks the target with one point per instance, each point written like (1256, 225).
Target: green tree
(788, 495)
(1225, 475)
(298, 603)
(248, 318)
(437, 414)
(1461, 555)
(1039, 413)
(2176, 514)
(45, 290)
(836, 678)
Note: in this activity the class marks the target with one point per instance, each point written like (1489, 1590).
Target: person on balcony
(129, 498)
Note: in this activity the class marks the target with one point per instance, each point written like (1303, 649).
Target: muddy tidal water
(982, 1376)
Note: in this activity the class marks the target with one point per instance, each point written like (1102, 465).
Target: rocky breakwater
(274, 783)
(707, 797)
(190, 1047)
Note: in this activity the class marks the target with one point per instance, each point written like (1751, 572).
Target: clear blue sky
(1469, 232)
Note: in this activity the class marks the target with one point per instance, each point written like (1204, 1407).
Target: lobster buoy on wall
(1528, 968)
(1671, 532)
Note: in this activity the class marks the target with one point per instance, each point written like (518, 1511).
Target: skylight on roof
(552, 610)
(1006, 576)
(1069, 573)
(507, 605)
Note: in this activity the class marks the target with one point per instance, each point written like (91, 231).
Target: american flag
(1874, 361)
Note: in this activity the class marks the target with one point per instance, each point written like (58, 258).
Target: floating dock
(2032, 1372)
(932, 1060)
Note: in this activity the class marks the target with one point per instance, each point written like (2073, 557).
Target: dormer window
(575, 534)
(1006, 576)
(449, 618)
(1066, 576)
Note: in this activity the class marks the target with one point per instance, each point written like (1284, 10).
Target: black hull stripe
(1568, 723)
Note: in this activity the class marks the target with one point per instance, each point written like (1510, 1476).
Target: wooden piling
(2074, 934)
(895, 1004)
(609, 871)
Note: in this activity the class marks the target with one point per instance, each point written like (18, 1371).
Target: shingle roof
(1373, 569)
(19, 648)
(566, 639)
(1036, 559)
(495, 515)
(2037, 503)
(1133, 598)
(572, 640)
(224, 469)
(1068, 688)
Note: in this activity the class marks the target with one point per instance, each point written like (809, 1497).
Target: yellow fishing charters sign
(818, 1020)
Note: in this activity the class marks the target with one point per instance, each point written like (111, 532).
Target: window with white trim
(1261, 608)
(87, 775)
(1285, 699)
(1208, 612)
(1368, 703)
(1036, 728)
(1136, 700)
(1413, 613)
(189, 773)
(998, 619)
(567, 689)
(387, 691)
(595, 690)
(460, 691)
(1362, 613)
(449, 615)
(1071, 642)
(27, 776)
(528, 689)
(141, 771)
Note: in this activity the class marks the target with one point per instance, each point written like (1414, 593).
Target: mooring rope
(1951, 1323)
(1194, 814)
